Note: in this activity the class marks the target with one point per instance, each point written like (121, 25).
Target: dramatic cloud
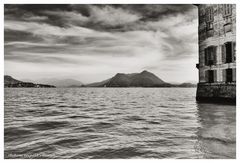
(112, 16)
(94, 42)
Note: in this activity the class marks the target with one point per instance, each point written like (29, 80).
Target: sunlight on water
(116, 123)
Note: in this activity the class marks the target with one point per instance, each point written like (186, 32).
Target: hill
(143, 79)
(11, 82)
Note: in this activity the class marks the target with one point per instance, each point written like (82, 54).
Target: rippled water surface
(116, 123)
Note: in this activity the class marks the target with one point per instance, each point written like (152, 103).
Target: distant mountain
(98, 84)
(187, 85)
(11, 82)
(143, 79)
(61, 82)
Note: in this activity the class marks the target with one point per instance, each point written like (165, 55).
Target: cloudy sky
(94, 42)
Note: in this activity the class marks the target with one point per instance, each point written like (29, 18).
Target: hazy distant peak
(61, 82)
(145, 71)
(119, 74)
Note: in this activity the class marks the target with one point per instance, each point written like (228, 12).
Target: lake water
(116, 123)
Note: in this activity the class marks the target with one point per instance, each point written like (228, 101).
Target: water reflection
(217, 134)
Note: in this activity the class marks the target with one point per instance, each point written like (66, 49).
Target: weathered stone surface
(216, 92)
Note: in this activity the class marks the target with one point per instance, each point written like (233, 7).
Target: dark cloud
(98, 15)
(155, 12)
(14, 35)
(28, 12)
(36, 8)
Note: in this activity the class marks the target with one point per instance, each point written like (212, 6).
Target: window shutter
(215, 76)
(224, 10)
(234, 74)
(233, 51)
(211, 53)
(206, 76)
(227, 9)
(206, 56)
(214, 55)
(230, 9)
(209, 14)
(224, 79)
(223, 53)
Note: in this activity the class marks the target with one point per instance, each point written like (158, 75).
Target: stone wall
(216, 92)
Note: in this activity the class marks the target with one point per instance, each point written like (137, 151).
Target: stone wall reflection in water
(217, 134)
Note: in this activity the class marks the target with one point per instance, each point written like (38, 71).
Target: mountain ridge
(9, 82)
(142, 79)
(61, 82)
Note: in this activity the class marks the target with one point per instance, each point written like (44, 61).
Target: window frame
(210, 76)
(227, 10)
(210, 55)
(229, 75)
(209, 14)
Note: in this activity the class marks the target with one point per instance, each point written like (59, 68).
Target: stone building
(217, 52)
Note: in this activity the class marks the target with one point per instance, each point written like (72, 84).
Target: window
(227, 10)
(202, 34)
(210, 55)
(209, 14)
(229, 75)
(201, 17)
(209, 76)
(234, 51)
(209, 26)
(234, 74)
(227, 28)
(229, 52)
(209, 21)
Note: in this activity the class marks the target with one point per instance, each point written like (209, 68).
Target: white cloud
(31, 44)
(46, 29)
(35, 18)
(71, 16)
(112, 16)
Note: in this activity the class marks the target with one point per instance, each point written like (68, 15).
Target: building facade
(217, 52)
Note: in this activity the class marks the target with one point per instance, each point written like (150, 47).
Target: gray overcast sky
(94, 42)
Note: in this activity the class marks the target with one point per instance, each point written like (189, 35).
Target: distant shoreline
(143, 79)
